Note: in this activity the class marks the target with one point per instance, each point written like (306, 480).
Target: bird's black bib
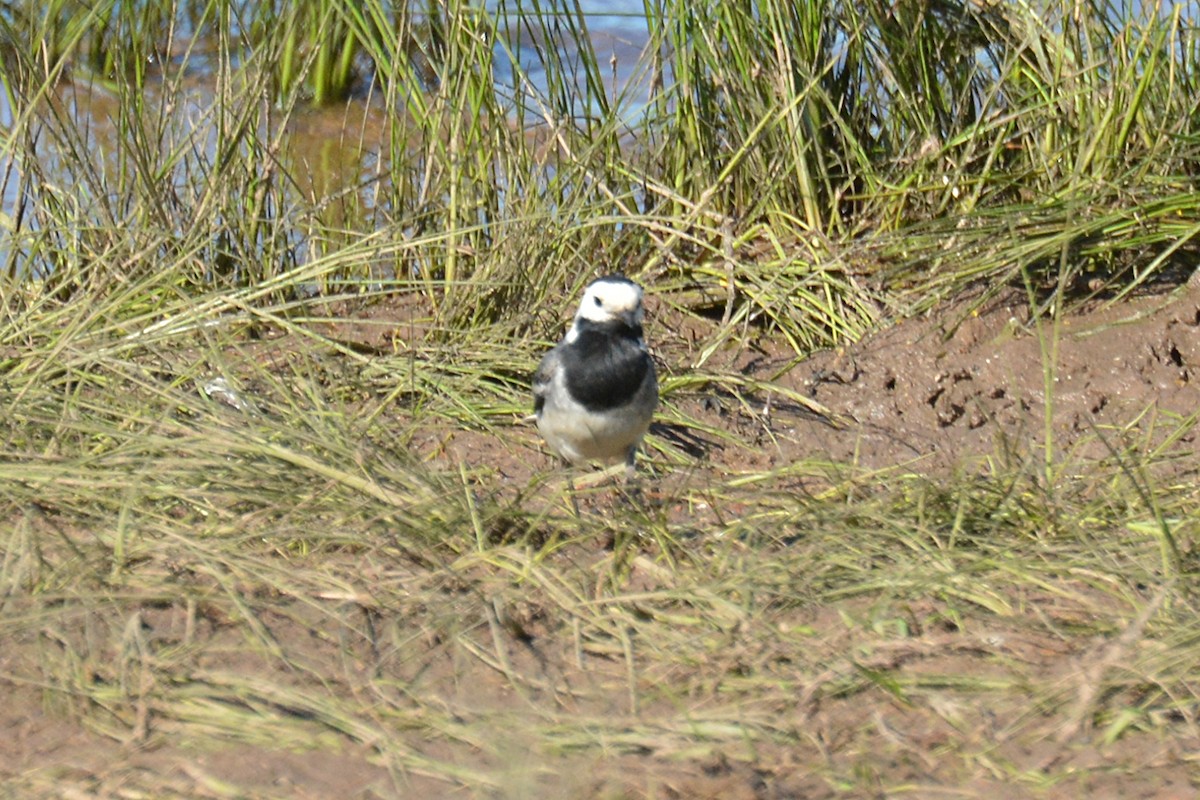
(607, 365)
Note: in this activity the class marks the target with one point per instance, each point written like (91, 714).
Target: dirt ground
(948, 392)
(943, 392)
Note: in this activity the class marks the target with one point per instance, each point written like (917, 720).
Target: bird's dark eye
(597, 299)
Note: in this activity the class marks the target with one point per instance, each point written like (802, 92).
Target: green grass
(315, 569)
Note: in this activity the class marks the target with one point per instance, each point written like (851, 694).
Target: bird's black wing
(543, 378)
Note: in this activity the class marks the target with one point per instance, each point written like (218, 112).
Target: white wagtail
(595, 392)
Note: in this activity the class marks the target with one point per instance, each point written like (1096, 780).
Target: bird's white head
(613, 297)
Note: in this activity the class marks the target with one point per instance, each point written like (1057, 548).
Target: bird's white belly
(580, 435)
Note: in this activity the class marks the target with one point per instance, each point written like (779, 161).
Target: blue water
(620, 39)
(619, 36)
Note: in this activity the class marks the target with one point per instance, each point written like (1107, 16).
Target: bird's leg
(632, 490)
(631, 464)
(571, 491)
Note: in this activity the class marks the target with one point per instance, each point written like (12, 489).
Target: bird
(596, 391)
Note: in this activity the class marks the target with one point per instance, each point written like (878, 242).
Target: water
(619, 36)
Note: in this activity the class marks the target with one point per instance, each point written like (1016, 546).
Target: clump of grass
(158, 530)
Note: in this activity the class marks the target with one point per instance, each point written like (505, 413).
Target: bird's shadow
(685, 438)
